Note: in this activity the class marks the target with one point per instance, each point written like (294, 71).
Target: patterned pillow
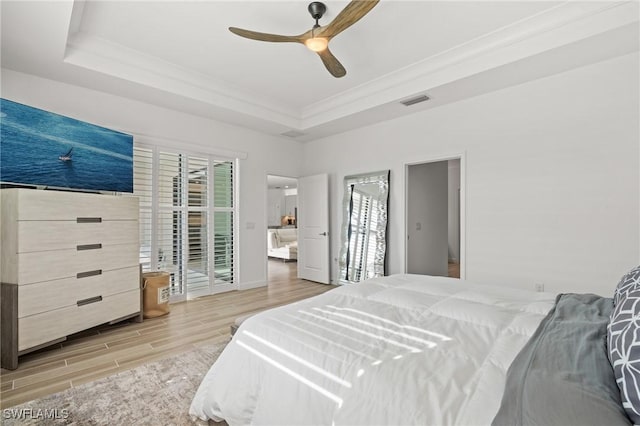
(631, 281)
(623, 343)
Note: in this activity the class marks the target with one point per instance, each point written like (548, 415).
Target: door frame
(463, 215)
(266, 219)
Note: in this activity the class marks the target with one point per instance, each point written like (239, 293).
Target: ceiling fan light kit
(317, 44)
(317, 38)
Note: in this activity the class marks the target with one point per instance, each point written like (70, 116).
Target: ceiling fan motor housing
(317, 9)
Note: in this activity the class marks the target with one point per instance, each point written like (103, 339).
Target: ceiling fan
(317, 38)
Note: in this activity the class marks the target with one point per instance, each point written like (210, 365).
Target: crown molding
(552, 28)
(113, 59)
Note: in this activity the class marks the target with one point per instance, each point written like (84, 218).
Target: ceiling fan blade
(333, 65)
(351, 14)
(265, 36)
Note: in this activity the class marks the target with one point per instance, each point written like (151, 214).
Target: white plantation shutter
(197, 225)
(223, 209)
(142, 188)
(170, 214)
(184, 233)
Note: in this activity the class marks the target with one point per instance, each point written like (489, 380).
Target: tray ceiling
(181, 55)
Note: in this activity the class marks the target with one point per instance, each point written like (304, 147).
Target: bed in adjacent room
(411, 349)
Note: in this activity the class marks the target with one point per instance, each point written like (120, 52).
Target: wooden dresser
(70, 261)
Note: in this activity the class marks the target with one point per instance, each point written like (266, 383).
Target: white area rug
(157, 393)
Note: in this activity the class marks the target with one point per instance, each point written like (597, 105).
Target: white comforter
(398, 350)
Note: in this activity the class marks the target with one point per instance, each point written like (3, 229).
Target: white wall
(281, 202)
(290, 204)
(552, 181)
(551, 170)
(275, 207)
(179, 130)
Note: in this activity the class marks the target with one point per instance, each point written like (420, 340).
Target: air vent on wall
(415, 100)
(292, 134)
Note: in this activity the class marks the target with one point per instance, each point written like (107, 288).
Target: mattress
(403, 349)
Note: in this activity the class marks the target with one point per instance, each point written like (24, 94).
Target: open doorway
(282, 227)
(434, 218)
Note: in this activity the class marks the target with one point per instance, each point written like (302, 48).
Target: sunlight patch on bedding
(359, 340)
(428, 343)
(366, 333)
(292, 373)
(323, 339)
(298, 359)
(388, 321)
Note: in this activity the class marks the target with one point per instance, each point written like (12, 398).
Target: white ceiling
(281, 182)
(181, 55)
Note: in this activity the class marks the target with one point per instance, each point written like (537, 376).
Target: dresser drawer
(50, 295)
(56, 235)
(52, 265)
(45, 327)
(58, 205)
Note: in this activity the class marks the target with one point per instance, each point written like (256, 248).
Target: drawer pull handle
(89, 300)
(89, 273)
(88, 220)
(89, 247)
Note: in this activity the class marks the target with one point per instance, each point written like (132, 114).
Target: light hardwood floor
(454, 270)
(106, 350)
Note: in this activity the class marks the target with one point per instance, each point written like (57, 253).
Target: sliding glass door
(187, 213)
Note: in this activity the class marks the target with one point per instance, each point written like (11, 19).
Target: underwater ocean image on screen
(46, 149)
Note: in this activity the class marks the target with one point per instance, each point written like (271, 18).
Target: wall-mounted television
(43, 149)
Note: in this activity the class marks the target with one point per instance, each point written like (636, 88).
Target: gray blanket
(563, 376)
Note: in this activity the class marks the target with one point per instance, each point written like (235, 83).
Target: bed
(411, 349)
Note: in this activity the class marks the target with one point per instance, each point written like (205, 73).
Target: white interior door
(313, 228)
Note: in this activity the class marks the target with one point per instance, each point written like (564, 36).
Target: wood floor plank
(79, 343)
(109, 349)
(105, 351)
(30, 370)
(27, 393)
(204, 333)
(64, 373)
(136, 360)
(6, 385)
